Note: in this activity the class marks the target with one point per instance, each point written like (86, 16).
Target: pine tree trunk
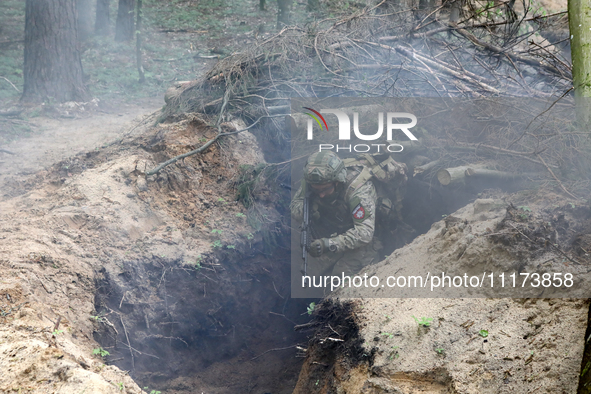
(124, 26)
(52, 68)
(103, 18)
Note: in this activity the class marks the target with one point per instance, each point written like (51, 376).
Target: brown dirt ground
(530, 345)
(94, 224)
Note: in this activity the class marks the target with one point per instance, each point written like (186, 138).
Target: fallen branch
(159, 167)
(514, 56)
(445, 68)
(273, 350)
(425, 167)
(7, 80)
(556, 178)
(446, 176)
(6, 151)
(476, 147)
(128, 344)
(483, 172)
(449, 28)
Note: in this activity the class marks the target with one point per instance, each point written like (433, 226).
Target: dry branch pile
(401, 49)
(388, 50)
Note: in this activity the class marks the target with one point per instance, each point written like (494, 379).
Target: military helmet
(324, 167)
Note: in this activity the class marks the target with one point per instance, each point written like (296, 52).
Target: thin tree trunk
(262, 5)
(579, 16)
(103, 18)
(52, 67)
(124, 27)
(138, 43)
(282, 13)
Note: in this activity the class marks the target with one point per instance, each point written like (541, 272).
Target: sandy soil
(163, 271)
(468, 345)
(55, 139)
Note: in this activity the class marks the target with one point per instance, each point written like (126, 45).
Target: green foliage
(248, 180)
(240, 215)
(524, 208)
(98, 318)
(100, 352)
(394, 353)
(121, 386)
(249, 236)
(483, 333)
(217, 231)
(55, 333)
(424, 321)
(586, 369)
(216, 244)
(440, 350)
(311, 307)
(387, 334)
(231, 246)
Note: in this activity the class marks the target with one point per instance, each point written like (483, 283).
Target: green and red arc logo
(316, 119)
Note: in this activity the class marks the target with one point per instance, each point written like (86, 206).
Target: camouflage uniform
(346, 219)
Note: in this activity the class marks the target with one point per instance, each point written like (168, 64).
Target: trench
(227, 326)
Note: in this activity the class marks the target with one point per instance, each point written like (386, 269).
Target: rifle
(304, 235)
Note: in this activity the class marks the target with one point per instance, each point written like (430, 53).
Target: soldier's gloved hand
(318, 246)
(315, 214)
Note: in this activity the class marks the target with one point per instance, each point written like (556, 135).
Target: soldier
(342, 215)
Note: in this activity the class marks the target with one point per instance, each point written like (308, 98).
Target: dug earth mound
(114, 281)
(107, 273)
(367, 343)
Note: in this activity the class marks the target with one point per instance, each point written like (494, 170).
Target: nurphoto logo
(392, 124)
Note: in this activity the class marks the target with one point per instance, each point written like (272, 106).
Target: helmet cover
(324, 167)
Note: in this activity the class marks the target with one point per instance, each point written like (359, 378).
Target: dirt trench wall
(95, 224)
(469, 345)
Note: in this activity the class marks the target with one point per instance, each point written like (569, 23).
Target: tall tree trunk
(84, 8)
(52, 68)
(124, 27)
(103, 18)
(579, 18)
(282, 13)
(138, 43)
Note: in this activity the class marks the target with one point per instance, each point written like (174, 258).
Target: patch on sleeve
(358, 212)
